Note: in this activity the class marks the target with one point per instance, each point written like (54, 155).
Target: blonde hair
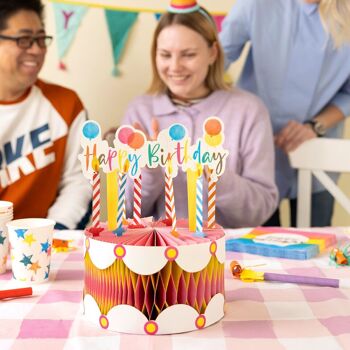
(335, 15)
(202, 23)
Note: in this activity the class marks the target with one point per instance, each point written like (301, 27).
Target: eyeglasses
(26, 42)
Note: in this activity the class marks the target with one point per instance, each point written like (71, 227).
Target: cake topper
(172, 151)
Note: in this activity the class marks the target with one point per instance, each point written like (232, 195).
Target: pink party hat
(183, 6)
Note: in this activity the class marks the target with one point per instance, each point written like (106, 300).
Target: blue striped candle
(121, 203)
(199, 204)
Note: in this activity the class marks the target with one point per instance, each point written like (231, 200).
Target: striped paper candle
(125, 171)
(173, 218)
(121, 202)
(170, 198)
(124, 211)
(168, 195)
(137, 200)
(211, 200)
(112, 199)
(96, 193)
(199, 203)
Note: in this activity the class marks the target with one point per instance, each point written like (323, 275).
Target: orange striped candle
(211, 200)
(137, 200)
(169, 197)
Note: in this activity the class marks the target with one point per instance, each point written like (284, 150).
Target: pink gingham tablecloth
(260, 315)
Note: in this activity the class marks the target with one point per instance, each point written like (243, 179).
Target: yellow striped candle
(192, 176)
(112, 200)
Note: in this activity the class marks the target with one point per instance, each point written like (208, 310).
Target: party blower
(247, 275)
(15, 293)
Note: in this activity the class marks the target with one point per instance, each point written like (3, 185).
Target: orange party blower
(15, 293)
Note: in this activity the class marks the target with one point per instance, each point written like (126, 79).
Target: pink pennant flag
(218, 20)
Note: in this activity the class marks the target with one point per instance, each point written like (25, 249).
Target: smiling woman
(188, 86)
(193, 40)
(183, 64)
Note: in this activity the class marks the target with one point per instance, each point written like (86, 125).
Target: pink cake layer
(155, 234)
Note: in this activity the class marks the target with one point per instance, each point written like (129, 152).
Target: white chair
(314, 157)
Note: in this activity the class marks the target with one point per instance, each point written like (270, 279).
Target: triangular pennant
(218, 20)
(157, 16)
(68, 19)
(119, 24)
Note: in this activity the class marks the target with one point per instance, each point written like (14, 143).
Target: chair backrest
(314, 157)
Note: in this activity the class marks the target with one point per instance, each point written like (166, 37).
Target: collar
(309, 9)
(162, 105)
(17, 100)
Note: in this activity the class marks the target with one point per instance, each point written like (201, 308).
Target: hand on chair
(293, 135)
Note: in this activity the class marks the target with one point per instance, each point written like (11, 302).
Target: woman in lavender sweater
(188, 87)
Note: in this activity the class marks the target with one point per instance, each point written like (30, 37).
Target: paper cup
(6, 207)
(4, 248)
(6, 215)
(30, 245)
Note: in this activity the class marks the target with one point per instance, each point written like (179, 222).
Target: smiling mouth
(178, 78)
(30, 64)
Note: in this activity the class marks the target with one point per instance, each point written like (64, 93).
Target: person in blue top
(299, 64)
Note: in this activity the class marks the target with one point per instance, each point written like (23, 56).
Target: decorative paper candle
(191, 197)
(168, 194)
(199, 203)
(137, 200)
(95, 193)
(125, 171)
(121, 198)
(112, 200)
(211, 200)
(169, 197)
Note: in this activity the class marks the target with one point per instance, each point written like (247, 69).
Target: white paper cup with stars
(30, 249)
(6, 215)
(4, 248)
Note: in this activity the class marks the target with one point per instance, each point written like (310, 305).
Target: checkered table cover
(260, 315)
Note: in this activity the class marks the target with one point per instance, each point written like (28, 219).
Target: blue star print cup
(6, 215)
(30, 249)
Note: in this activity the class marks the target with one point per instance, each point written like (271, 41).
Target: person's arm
(235, 31)
(295, 133)
(248, 197)
(74, 192)
(341, 101)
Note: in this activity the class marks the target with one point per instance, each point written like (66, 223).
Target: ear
(214, 49)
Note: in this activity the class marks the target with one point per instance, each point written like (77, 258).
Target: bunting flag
(68, 19)
(69, 14)
(218, 20)
(157, 16)
(119, 24)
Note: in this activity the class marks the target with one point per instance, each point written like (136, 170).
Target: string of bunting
(120, 8)
(120, 20)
